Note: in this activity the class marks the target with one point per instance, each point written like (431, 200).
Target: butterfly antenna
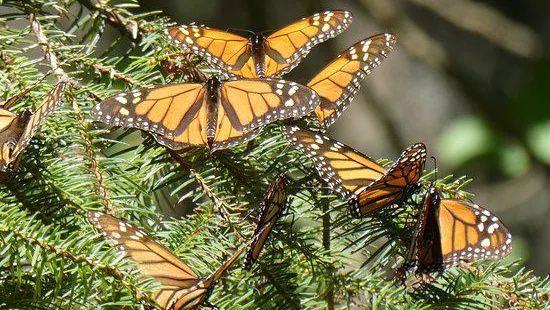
(240, 30)
(435, 167)
(267, 32)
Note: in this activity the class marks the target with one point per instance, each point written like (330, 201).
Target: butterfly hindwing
(450, 231)
(395, 184)
(337, 83)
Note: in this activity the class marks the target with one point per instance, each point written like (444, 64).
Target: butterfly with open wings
(261, 56)
(214, 114)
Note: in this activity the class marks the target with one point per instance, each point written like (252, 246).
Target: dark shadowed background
(471, 79)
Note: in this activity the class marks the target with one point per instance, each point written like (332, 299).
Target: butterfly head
(257, 41)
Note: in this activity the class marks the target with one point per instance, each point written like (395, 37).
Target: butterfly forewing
(166, 110)
(251, 103)
(151, 258)
(225, 50)
(289, 45)
(337, 83)
(272, 206)
(343, 168)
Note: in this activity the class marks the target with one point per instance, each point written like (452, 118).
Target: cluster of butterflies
(229, 109)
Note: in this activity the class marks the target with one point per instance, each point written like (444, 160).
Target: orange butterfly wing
(151, 258)
(252, 103)
(17, 133)
(470, 233)
(225, 50)
(392, 187)
(285, 48)
(337, 83)
(272, 205)
(176, 113)
(346, 170)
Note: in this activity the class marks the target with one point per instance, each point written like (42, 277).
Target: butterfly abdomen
(257, 42)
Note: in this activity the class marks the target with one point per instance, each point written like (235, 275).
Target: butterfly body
(260, 56)
(450, 231)
(213, 114)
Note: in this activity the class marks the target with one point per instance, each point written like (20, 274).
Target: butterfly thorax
(213, 86)
(257, 48)
(429, 255)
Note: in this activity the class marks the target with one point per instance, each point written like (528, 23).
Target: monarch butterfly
(337, 83)
(16, 130)
(366, 184)
(180, 287)
(449, 231)
(272, 205)
(261, 56)
(214, 114)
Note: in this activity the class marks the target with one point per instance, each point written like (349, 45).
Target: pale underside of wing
(471, 233)
(343, 168)
(151, 258)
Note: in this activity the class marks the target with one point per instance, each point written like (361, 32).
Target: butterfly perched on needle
(367, 185)
(272, 206)
(261, 56)
(213, 114)
(337, 83)
(180, 287)
(450, 231)
(16, 130)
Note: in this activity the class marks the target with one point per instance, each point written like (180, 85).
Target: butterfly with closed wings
(450, 231)
(337, 83)
(272, 206)
(180, 287)
(214, 114)
(261, 56)
(367, 185)
(16, 130)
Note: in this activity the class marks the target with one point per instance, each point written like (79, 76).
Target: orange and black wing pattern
(337, 83)
(282, 50)
(285, 48)
(451, 231)
(272, 206)
(228, 51)
(345, 170)
(177, 112)
(394, 185)
(151, 258)
(251, 103)
(16, 131)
